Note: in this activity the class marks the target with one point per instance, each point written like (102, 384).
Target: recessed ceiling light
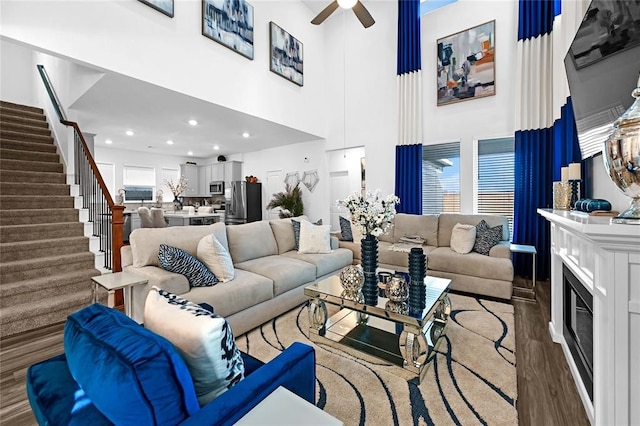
(108, 141)
(193, 122)
(129, 132)
(245, 135)
(190, 153)
(169, 142)
(216, 147)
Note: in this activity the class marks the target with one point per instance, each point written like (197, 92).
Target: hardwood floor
(546, 392)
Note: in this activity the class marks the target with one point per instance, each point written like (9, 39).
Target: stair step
(23, 250)
(28, 269)
(23, 108)
(31, 176)
(33, 166)
(15, 233)
(35, 216)
(24, 128)
(45, 287)
(18, 117)
(8, 134)
(27, 146)
(36, 202)
(14, 154)
(10, 189)
(36, 314)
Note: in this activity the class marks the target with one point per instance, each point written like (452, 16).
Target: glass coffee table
(388, 331)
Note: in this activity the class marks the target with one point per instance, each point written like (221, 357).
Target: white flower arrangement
(370, 213)
(177, 188)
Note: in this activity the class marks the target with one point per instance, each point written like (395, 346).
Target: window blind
(496, 178)
(441, 178)
(139, 176)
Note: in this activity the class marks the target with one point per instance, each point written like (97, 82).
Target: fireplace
(578, 326)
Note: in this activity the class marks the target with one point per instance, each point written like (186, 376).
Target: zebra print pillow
(486, 237)
(345, 229)
(204, 339)
(179, 261)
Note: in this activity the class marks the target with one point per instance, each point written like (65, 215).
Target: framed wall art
(286, 55)
(230, 23)
(466, 64)
(164, 6)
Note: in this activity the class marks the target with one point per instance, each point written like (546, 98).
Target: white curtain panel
(541, 82)
(410, 108)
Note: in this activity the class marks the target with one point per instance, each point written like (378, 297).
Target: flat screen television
(602, 68)
(138, 193)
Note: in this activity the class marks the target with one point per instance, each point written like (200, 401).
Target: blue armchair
(115, 371)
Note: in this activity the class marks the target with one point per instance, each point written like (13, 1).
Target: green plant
(289, 201)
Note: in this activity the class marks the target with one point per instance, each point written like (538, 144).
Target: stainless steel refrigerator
(243, 203)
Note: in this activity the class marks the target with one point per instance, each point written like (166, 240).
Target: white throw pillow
(215, 257)
(463, 237)
(205, 342)
(314, 238)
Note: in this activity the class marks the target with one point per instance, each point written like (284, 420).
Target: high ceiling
(117, 103)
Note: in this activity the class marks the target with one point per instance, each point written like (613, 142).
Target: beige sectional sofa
(473, 272)
(269, 275)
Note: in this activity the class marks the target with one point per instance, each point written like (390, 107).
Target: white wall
(291, 158)
(130, 38)
(15, 64)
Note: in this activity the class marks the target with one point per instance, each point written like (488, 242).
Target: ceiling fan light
(347, 4)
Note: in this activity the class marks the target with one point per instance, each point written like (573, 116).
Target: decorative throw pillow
(296, 231)
(132, 375)
(204, 340)
(486, 237)
(314, 238)
(463, 238)
(179, 261)
(345, 229)
(216, 258)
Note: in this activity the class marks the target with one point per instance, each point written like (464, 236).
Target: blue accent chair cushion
(132, 375)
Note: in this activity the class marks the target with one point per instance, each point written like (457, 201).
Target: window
(108, 173)
(495, 178)
(441, 178)
(139, 183)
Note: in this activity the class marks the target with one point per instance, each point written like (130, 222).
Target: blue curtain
(565, 135)
(409, 57)
(409, 178)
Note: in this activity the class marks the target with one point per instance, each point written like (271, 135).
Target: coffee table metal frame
(387, 330)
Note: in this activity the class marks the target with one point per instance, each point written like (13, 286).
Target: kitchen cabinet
(217, 172)
(204, 178)
(232, 172)
(190, 171)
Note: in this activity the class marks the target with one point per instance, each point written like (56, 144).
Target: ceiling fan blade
(325, 13)
(363, 15)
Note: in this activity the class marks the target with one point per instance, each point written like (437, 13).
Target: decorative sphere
(352, 278)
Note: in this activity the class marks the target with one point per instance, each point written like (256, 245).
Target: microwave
(216, 187)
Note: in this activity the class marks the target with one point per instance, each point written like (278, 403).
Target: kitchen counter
(183, 218)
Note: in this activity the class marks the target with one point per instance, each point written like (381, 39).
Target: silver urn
(621, 155)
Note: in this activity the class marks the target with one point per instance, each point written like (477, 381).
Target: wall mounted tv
(602, 68)
(138, 193)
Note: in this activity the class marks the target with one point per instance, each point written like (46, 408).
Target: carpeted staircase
(45, 262)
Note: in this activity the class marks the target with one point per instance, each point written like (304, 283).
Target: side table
(117, 280)
(521, 248)
(283, 408)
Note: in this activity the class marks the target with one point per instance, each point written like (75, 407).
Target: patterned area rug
(472, 379)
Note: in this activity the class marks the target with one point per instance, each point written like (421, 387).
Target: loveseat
(115, 371)
(488, 275)
(270, 275)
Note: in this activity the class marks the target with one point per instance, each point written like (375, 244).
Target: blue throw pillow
(296, 232)
(132, 375)
(345, 229)
(179, 261)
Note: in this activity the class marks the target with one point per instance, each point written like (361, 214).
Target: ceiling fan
(361, 12)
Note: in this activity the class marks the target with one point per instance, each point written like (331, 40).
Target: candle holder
(575, 192)
(561, 195)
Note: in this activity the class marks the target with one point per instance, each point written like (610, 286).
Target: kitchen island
(177, 218)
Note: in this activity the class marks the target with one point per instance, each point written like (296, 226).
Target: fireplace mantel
(606, 259)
